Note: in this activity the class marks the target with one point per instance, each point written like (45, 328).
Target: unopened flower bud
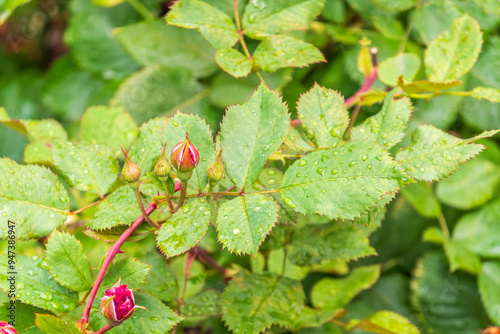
(6, 328)
(162, 167)
(130, 172)
(118, 304)
(216, 170)
(184, 158)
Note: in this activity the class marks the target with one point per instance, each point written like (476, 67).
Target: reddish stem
(104, 329)
(107, 261)
(203, 256)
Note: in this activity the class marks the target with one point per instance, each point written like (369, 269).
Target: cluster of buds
(6, 328)
(118, 304)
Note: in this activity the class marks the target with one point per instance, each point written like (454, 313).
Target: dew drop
(335, 171)
(379, 158)
(353, 163)
(289, 201)
(321, 170)
(302, 163)
(364, 157)
(236, 231)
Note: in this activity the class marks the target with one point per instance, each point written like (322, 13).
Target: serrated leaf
(316, 243)
(25, 317)
(35, 286)
(244, 222)
(245, 149)
(90, 168)
(480, 230)
(33, 198)
(156, 91)
(388, 126)
(323, 113)
(489, 283)
(461, 257)
(156, 317)
(112, 234)
(52, 325)
(217, 28)
(434, 154)
(161, 281)
(280, 51)
(185, 228)
(38, 152)
(341, 183)
(275, 265)
(34, 130)
(129, 271)
(295, 141)
(384, 322)
(204, 304)
(422, 86)
(251, 303)
(405, 64)
(267, 17)
(119, 208)
(422, 198)
(446, 302)
(310, 317)
(485, 93)
(109, 126)
(168, 46)
(233, 62)
(146, 150)
(335, 293)
(453, 53)
(67, 263)
(480, 177)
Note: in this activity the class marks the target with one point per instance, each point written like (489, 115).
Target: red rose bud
(184, 158)
(6, 328)
(130, 172)
(216, 170)
(162, 167)
(118, 304)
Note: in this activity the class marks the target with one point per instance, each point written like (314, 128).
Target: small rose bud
(162, 167)
(216, 170)
(130, 172)
(118, 304)
(6, 328)
(184, 158)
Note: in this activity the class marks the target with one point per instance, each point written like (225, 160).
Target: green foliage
(50, 324)
(488, 286)
(233, 62)
(406, 64)
(385, 322)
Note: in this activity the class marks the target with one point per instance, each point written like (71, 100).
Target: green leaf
(161, 281)
(433, 18)
(280, 51)
(204, 304)
(422, 86)
(8, 7)
(480, 230)
(35, 286)
(395, 6)
(490, 94)
(156, 91)
(388, 126)
(25, 317)
(461, 257)
(316, 243)
(33, 198)
(244, 222)
(67, 263)
(52, 325)
(335, 293)
(168, 46)
(251, 303)
(323, 113)
(489, 281)
(156, 317)
(384, 322)
(86, 167)
(109, 126)
(233, 62)
(480, 178)
(119, 208)
(453, 53)
(341, 183)
(422, 198)
(217, 28)
(38, 152)
(267, 17)
(446, 302)
(275, 265)
(434, 154)
(310, 317)
(245, 149)
(112, 234)
(295, 141)
(129, 271)
(405, 64)
(185, 228)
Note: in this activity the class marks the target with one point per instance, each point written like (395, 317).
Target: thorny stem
(444, 226)
(203, 256)
(369, 80)
(141, 206)
(104, 329)
(107, 261)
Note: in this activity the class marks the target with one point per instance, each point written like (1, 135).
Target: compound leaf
(233, 62)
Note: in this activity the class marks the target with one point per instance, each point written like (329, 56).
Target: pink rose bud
(6, 328)
(184, 158)
(118, 304)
